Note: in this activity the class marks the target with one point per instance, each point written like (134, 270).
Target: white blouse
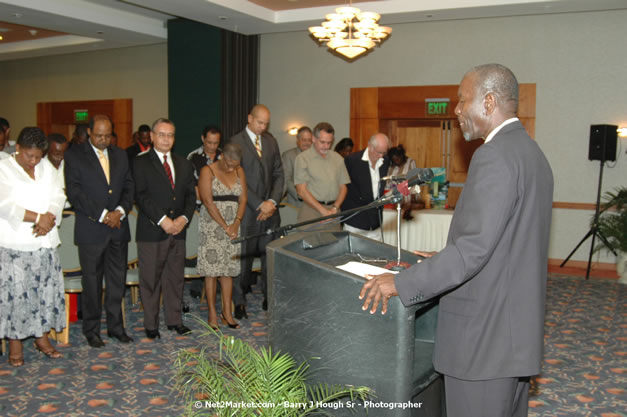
(18, 193)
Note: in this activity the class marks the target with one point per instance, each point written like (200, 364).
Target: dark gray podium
(315, 315)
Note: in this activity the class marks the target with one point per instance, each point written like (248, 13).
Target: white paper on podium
(362, 269)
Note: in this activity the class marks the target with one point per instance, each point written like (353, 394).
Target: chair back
(132, 245)
(68, 251)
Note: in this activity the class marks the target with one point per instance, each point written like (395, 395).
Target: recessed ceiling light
(17, 15)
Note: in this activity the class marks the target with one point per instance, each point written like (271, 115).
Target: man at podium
(493, 270)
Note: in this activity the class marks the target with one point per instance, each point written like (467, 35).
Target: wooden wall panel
(58, 117)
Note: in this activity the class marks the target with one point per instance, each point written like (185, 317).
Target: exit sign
(437, 106)
(81, 115)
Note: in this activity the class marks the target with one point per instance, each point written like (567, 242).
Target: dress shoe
(180, 328)
(240, 312)
(185, 307)
(264, 305)
(122, 337)
(153, 334)
(195, 294)
(94, 341)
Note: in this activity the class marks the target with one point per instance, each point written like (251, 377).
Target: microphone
(416, 176)
(394, 177)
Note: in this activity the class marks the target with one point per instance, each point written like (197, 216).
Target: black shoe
(94, 341)
(240, 312)
(122, 337)
(180, 329)
(185, 307)
(264, 305)
(194, 294)
(153, 334)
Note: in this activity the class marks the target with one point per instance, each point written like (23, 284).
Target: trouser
(503, 397)
(161, 271)
(106, 260)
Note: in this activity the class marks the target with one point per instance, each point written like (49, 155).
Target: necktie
(168, 171)
(258, 145)
(104, 162)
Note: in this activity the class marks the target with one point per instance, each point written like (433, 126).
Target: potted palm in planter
(232, 378)
(613, 226)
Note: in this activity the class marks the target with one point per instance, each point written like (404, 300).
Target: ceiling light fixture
(350, 31)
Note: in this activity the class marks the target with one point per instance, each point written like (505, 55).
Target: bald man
(261, 161)
(492, 272)
(365, 169)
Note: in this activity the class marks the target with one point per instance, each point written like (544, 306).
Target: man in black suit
(261, 161)
(365, 169)
(142, 145)
(493, 270)
(100, 188)
(165, 195)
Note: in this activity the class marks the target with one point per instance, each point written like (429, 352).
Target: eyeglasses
(101, 137)
(163, 135)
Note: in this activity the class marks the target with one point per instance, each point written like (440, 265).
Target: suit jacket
(89, 193)
(264, 176)
(132, 151)
(360, 190)
(288, 159)
(156, 198)
(493, 269)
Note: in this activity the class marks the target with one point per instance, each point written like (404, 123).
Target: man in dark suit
(143, 144)
(165, 195)
(365, 169)
(493, 269)
(100, 188)
(261, 161)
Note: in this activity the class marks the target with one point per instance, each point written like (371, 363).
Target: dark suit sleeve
(74, 187)
(190, 190)
(128, 186)
(142, 173)
(489, 198)
(353, 193)
(278, 176)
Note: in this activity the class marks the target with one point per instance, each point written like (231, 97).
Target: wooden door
(59, 117)
(422, 140)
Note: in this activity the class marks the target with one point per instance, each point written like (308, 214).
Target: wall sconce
(293, 131)
(622, 132)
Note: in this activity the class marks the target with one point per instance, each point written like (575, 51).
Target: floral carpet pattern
(584, 371)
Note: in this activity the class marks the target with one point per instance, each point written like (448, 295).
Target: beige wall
(138, 73)
(577, 61)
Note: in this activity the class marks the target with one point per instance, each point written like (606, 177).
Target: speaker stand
(594, 229)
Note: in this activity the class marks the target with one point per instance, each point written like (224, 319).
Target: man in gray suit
(261, 161)
(304, 139)
(493, 269)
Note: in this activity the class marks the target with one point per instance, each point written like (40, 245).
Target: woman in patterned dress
(31, 281)
(222, 189)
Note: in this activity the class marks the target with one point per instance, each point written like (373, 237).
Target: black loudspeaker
(602, 143)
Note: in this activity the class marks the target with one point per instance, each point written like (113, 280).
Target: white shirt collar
(499, 127)
(377, 165)
(106, 154)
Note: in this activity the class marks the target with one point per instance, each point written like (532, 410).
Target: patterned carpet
(584, 373)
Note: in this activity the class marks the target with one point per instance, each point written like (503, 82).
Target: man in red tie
(166, 199)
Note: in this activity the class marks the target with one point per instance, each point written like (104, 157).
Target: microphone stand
(283, 230)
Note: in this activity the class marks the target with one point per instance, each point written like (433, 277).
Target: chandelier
(350, 31)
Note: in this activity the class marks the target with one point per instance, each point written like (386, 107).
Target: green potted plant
(229, 377)
(613, 226)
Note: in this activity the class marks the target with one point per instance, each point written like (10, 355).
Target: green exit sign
(81, 115)
(437, 106)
